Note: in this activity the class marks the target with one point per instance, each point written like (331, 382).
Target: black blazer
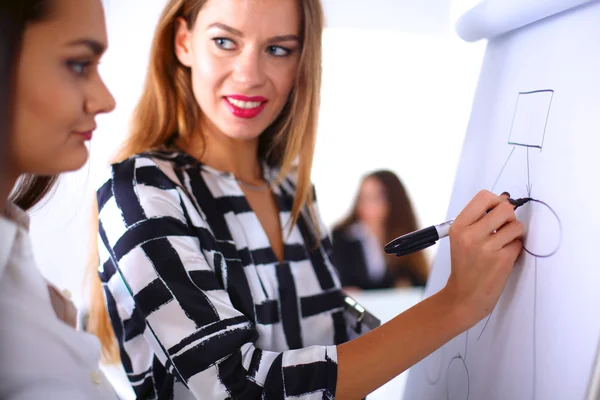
(349, 258)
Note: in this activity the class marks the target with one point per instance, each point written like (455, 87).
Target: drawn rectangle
(530, 118)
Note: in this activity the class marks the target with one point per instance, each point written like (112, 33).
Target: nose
(248, 70)
(99, 100)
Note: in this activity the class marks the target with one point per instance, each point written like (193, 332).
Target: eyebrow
(233, 31)
(96, 47)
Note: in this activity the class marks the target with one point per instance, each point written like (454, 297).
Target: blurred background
(397, 92)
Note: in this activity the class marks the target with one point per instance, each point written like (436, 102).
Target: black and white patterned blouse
(199, 303)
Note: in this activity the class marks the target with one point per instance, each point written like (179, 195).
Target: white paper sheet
(496, 17)
(534, 131)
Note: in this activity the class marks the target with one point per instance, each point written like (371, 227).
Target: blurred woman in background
(382, 211)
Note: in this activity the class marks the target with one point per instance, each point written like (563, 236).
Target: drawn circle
(458, 384)
(545, 241)
(433, 366)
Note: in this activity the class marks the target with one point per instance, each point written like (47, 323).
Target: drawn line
(535, 146)
(533, 254)
(466, 344)
(458, 357)
(551, 91)
(534, 329)
(512, 124)
(486, 324)
(560, 229)
(528, 174)
(539, 91)
(439, 374)
(529, 190)
(502, 170)
(547, 115)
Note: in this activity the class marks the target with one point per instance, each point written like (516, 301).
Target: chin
(73, 161)
(243, 133)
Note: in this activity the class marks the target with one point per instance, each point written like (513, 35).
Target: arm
(151, 231)
(481, 264)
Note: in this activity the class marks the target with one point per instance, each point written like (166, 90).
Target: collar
(17, 215)
(10, 223)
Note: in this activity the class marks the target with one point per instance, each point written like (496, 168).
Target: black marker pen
(423, 238)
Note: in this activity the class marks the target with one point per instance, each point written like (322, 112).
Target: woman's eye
(79, 67)
(224, 43)
(278, 51)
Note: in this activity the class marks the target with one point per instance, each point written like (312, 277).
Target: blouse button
(67, 294)
(96, 377)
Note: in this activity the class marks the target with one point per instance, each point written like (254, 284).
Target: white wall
(410, 16)
(397, 101)
(390, 100)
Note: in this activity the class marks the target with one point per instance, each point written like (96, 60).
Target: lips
(86, 135)
(245, 107)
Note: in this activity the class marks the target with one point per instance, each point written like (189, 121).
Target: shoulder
(144, 186)
(289, 182)
(341, 235)
(156, 169)
(338, 232)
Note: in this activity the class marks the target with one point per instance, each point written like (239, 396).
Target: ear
(183, 42)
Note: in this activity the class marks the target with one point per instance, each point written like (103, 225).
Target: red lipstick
(87, 136)
(239, 105)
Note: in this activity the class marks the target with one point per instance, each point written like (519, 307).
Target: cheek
(284, 82)
(372, 209)
(382, 209)
(47, 111)
(365, 209)
(208, 73)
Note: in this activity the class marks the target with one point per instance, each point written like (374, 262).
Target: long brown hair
(168, 110)
(401, 219)
(15, 16)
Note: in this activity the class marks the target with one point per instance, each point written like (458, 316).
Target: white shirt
(371, 249)
(41, 357)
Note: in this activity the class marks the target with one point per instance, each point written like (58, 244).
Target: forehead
(71, 20)
(372, 184)
(260, 17)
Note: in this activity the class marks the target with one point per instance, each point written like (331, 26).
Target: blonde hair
(98, 321)
(168, 110)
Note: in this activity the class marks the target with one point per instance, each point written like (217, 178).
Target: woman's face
(372, 202)
(243, 56)
(58, 89)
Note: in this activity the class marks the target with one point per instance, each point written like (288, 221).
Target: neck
(218, 151)
(378, 230)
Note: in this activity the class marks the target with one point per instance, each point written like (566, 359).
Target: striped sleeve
(165, 256)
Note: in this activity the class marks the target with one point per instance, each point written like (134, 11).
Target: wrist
(457, 311)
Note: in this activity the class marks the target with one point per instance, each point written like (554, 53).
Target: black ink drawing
(457, 366)
(521, 142)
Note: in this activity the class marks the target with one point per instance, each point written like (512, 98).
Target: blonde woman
(213, 256)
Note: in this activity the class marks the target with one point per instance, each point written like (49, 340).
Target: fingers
(511, 252)
(512, 231)
(477, 208)
(502, 214)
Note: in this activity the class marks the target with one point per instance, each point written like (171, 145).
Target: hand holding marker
(423, 238)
